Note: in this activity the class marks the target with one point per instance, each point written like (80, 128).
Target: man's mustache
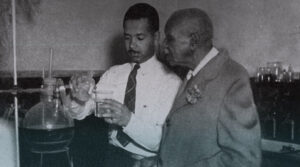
(132, 52)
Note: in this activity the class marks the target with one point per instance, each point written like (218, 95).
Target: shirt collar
(148, 65)
(210, 55)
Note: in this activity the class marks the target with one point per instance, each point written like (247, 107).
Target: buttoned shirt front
(156, 89)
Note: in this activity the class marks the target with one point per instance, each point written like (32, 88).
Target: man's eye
(169, 39)
(141, 38)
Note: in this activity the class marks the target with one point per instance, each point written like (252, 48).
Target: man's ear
(195, 39)
(193, 43)
(157, 36)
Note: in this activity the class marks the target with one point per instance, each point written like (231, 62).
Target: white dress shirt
(155, 93)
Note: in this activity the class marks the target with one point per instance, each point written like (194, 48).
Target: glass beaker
(100, 95)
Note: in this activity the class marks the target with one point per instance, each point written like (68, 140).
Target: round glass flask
(47, 128)
(48, 114)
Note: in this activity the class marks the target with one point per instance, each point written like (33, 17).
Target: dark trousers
(117, 157)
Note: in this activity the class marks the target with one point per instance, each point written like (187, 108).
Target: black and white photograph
(149, 83)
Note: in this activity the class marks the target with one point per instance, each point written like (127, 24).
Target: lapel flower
(193, 94)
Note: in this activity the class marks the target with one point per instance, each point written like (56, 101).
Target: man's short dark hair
(143, 11)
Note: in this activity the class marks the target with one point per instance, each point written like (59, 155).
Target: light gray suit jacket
(221, 129)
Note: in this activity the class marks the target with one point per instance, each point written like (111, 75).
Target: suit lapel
(204, 76)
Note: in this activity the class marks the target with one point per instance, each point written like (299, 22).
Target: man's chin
(171, 63)
(135, 59)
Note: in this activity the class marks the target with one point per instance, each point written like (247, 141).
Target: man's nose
(132, 43)
(166, 51)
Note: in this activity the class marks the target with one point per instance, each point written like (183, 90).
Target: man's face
(139, 42)
(177, 46)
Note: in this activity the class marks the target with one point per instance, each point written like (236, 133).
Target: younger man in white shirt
(155, 88)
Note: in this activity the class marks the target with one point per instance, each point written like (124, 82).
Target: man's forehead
(140, 25)
(184, 27)
(141, 21)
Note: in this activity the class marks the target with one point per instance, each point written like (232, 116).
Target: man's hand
(81, 86)
(115, 112)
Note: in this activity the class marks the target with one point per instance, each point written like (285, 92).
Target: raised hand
(81, 86)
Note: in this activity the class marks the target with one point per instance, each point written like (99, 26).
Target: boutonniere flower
(193, 94)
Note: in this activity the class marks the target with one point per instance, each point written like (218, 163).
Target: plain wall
(87, 34)
(255, 31)
(84, 34)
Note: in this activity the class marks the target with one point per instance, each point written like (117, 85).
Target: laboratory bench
(86, 144)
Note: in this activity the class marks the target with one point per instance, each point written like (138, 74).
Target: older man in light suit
(213, 122)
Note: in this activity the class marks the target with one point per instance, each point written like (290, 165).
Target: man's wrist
(80, 102)
(79, 111)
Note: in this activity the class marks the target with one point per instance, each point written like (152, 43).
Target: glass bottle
(269, 76)
(48, 114)
(261, 74)
(47, 127)
(258, 75)
(290, 74)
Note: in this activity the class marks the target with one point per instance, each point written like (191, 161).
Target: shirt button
(168, 123)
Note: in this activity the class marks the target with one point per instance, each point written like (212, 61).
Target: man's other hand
(116, 113)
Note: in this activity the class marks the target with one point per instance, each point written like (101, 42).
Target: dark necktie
(129, 101)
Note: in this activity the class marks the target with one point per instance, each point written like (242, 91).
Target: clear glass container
(276, 70)
(260, 74)
(47, 127)
(290, 73)
(48, 114)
